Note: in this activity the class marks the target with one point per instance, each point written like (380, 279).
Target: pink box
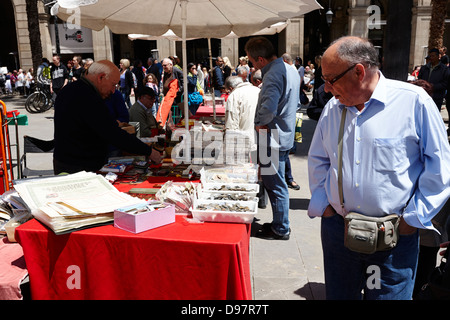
(125, 219)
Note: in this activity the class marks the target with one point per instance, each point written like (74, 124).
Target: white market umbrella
(169, 35)
(272, 29)
(190, 18)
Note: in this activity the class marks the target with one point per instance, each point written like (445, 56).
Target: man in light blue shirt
(275, 115)
(396, 160)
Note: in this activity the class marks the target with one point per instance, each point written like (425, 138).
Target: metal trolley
(6, 157)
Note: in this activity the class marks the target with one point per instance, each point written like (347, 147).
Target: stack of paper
(12, 209)
(68, 203)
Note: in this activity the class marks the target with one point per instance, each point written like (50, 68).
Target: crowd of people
(55, 74)
(16, 82)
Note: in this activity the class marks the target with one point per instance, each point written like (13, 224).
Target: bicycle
(40, 100)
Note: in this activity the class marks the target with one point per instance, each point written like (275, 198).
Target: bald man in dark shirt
(84, 128)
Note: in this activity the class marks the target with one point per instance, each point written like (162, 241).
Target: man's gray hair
(98, 68)
(242, 70)
(356, 50)
(257, 75)
(287, 58)
(167, 60)
(232, 82)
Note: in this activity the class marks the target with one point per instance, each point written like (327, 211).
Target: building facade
(306, 36)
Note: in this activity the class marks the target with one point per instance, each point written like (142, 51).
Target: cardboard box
(138, 218)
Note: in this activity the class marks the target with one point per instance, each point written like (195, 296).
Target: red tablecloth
(178, 261)
(207, 111)
(153, 182)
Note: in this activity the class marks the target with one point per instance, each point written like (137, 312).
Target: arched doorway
(8, 50)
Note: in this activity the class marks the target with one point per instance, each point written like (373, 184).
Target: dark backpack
(318, 102)
(438, 286)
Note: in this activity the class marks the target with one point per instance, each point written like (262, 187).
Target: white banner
(73, 39)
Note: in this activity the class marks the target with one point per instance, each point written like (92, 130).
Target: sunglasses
(332, 81)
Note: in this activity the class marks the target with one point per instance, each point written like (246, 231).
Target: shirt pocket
(389, 154)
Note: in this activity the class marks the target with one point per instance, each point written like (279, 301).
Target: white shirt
(240, 110)
(20, 80)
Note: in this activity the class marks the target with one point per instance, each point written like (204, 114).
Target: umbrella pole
(213, 96)
(185, 71)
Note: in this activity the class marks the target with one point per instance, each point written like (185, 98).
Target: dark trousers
(61, 167)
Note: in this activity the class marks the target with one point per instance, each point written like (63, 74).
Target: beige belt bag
(365, 234)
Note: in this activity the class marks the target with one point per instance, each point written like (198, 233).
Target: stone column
(421, 17)
(166, 48)
(295, 34)
(46, 40)
(102, 44)
(230, 49)
(357, 22)
(23, 38)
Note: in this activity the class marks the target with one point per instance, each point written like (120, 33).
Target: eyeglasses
(332, 81)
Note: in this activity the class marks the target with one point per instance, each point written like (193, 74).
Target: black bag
(303, 98)
(438, 286)
(318, 102)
